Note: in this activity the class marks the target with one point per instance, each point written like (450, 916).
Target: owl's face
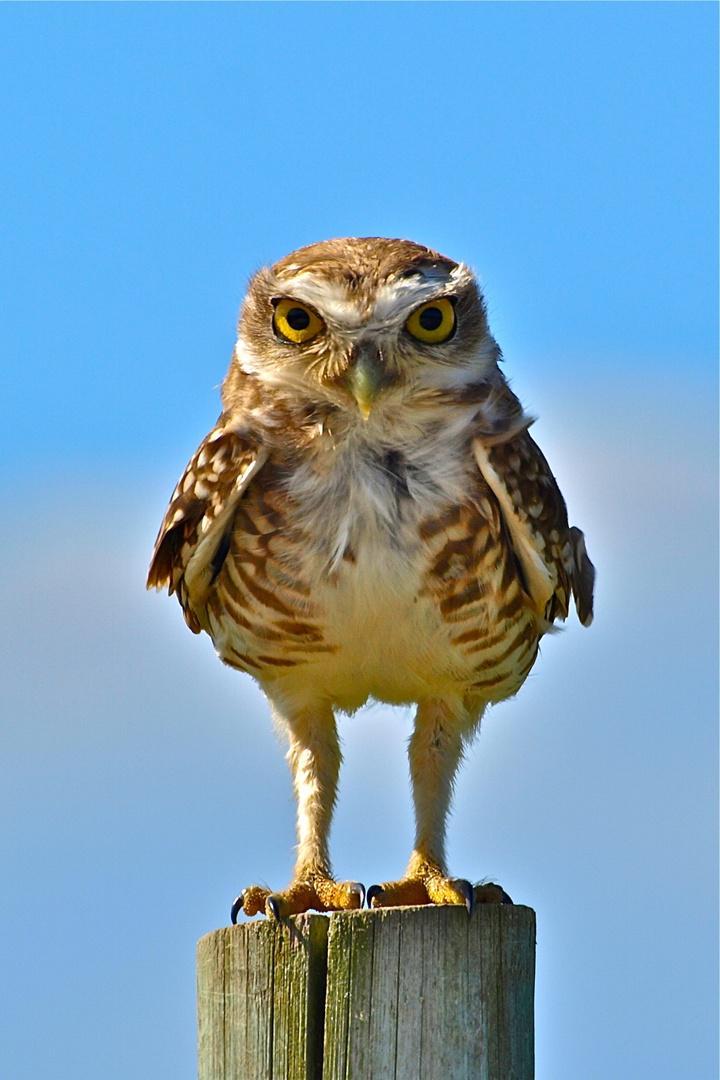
(360, 323)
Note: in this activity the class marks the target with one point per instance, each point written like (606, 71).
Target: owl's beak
(366, 376)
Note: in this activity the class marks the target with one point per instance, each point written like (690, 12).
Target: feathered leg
(435, 752)
(314, 757)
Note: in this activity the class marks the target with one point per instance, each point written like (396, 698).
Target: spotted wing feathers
(551, 556)
(193, 537)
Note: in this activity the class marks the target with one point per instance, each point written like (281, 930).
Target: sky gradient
(154, 156)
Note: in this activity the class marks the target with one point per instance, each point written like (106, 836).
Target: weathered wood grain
(261, 990)
(397, 994)
(429, 994)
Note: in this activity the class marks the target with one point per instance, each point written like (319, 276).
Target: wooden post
(261, 1000)
(396, 994)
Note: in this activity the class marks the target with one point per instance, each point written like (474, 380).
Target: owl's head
(361, 324)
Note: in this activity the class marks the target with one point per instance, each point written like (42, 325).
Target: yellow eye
(296, 322)
(433, 322)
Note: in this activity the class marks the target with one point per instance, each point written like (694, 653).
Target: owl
(370, 519)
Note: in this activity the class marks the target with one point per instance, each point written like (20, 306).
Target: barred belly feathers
(371, 519)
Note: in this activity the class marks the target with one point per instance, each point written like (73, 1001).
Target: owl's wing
(552, 557)
(195, 533)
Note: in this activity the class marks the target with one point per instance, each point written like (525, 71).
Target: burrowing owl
(370, 518)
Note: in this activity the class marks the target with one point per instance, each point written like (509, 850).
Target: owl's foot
(318, 893)
(490, 893)
(425, 883)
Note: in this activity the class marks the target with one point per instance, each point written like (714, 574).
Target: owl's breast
(374, 578)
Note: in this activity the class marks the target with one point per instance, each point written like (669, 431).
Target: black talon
(237, 906)
(468, 892)
(358, 889)
(273, 904)
(373, 891)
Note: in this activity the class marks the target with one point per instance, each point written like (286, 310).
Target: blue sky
(153, 156)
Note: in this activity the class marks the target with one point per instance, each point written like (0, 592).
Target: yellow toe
(318, 893)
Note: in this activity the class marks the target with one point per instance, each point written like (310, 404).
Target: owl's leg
(435, 752)
(314, 757)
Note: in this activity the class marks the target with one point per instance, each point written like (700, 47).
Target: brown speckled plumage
(370, 518)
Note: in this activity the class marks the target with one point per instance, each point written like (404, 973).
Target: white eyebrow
(398, 298)
(329, 297)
